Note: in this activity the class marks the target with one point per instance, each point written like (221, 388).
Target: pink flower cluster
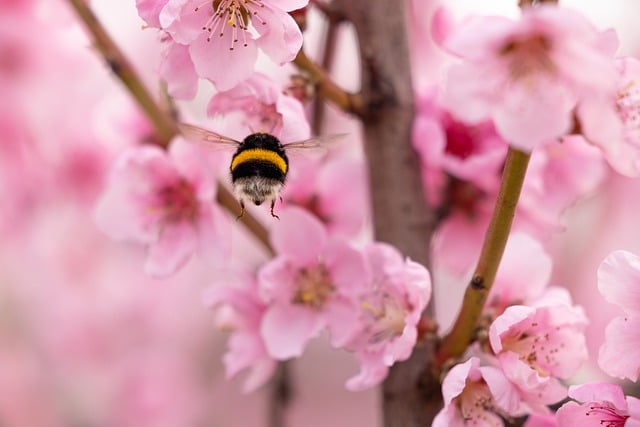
(535, 346)
(219, 40)
(542, 77)
(165, 201)
(369, 300)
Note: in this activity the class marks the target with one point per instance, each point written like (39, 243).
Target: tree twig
(326, 88)
(495, 241)
(164, 125)
(280, 395)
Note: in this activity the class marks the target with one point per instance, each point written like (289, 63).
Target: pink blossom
(390, 310)
(265, 108)
(149, 10)
(246, 348)
(600, 404)
(539, 344)
(613, 123)
(476, 395)
(319, 186)
(473, 153)
(228, 32)
(527, 75)
(557, 177)
(164, 201)
(313, 283)
(619, 283)
(523, 274)
(177, 69)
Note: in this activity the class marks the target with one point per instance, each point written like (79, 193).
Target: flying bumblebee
(259, 165)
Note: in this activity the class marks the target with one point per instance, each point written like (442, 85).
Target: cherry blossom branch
(411, 392)
(493, 246)
(164, 125)
(326, 88)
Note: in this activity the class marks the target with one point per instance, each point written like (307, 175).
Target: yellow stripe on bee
(259, 154)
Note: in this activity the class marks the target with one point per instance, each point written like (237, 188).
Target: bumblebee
(259, 165)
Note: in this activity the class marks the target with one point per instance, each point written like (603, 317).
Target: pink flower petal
(594, 392)
(176, 243)
(224, 67)
(178, 71)
(286, 329)
(619, 355)
(619, 280)
(298, 235)
(281, 38)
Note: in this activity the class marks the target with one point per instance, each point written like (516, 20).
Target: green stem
(495, 240)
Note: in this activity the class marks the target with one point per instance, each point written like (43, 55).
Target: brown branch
(326, 88)
(280, 395)
(411, 393)
(165, 127)
(163, 122)
(491, 253)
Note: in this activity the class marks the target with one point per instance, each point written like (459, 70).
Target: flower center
(234, 16)
(628, 108)
(177, 202)
(528, 56)
(536, 349)
(314, 287)
(476, 404)
(607, 415)
(386, 317)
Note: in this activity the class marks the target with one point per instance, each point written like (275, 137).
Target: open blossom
(619, 283)
(265, 108)
(473, 153)
(224, 35)
(476, 395)
(539, 344)
(165, 201)
(557, 177)
(600, 404)
(312, 284)
(613, 124)
(528, 75)
(246, 348)
(390, 310)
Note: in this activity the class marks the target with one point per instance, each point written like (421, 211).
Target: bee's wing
(319, 142)
(204, 136)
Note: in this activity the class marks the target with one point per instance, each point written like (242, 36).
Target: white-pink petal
(286, 329)
(298, 235)
(619, 280)
(619, 355)
(176, 243)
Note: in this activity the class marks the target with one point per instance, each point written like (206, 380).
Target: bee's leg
(241, 210)
(273, 203)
